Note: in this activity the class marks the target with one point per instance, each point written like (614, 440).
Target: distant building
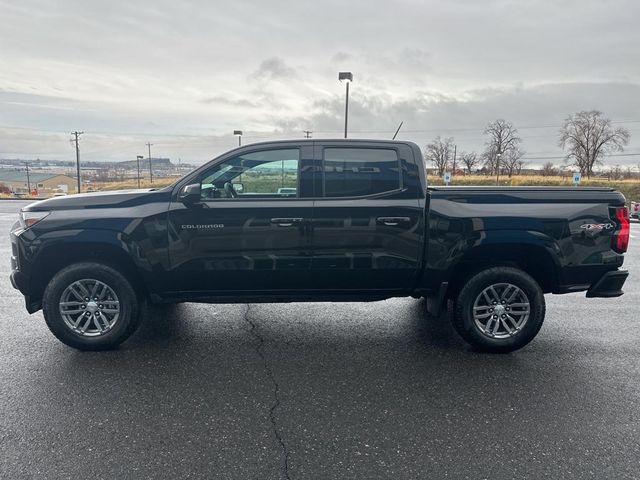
(44, 183)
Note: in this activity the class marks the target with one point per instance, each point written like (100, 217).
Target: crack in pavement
(276, 389)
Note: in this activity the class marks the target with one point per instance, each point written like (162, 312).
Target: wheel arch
(53, 258)
(533, 258)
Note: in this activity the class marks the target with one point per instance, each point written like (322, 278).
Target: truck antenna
(396, 134)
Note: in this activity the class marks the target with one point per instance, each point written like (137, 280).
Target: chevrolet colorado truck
(318, 220)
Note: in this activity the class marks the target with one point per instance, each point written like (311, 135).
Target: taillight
(621, 237)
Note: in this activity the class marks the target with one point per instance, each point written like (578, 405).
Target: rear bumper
(609, 285)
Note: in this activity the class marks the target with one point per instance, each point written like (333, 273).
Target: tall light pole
(138, 158)
(347, 77)
(498, 155)
(239, 134)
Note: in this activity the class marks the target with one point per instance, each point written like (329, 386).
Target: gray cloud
(220, 99)
(340, 57)
(537, 111)
(273, 68)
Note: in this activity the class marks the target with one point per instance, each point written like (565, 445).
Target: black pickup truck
(318, 220)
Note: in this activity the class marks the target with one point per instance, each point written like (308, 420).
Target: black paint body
(414, 241)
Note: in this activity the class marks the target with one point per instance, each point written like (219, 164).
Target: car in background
(634, 210)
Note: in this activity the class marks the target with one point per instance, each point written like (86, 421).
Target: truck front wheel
(90, 306)
(499, 310)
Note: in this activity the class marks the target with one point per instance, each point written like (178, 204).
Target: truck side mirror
(190, 194)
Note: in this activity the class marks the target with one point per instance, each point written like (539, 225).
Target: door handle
(286, 222)
(393, 221)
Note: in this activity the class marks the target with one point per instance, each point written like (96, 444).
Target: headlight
(29, 219)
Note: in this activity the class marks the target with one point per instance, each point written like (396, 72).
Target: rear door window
(356, 172)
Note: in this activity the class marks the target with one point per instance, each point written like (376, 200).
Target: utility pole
(149, 145)
(28, 180)
(307, 133)
(138, 158)
(455, 151)
(77, 136)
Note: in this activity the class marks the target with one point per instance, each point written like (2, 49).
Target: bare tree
(502, 145)
(548, 170)
(519, 166)
(438, 152)
(628, 173)
(615, 173)
(587, 136)
(469, 160)
(510, 160)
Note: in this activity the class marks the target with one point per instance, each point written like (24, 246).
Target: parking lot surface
(359, 390)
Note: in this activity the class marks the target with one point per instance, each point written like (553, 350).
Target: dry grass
(129, 184)
(629, 188)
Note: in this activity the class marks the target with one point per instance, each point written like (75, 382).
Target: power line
(307, 133)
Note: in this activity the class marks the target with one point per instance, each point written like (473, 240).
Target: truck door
(250, 230)
(368, 224)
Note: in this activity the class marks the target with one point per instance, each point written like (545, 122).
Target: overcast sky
(183, 75)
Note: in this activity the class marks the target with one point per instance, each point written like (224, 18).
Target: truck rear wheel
(499, 310)
(90, 306)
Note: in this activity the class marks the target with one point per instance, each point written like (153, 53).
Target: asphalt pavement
(340, 390)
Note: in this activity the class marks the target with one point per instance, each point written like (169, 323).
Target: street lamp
(498, 155)
(239, 134)
(138, 158)
(347, 77)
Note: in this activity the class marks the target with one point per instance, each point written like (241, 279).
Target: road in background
(359, 390)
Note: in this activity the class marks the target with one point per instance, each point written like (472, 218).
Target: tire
(501, 324)
(108, 319)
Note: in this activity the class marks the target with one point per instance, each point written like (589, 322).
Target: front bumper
(19, 277)
(609, 285)
(19, 281)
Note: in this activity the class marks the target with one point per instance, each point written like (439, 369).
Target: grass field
(629, 188)
(128, 184)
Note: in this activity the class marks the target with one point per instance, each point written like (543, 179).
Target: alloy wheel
(89, 307)
(501, 310)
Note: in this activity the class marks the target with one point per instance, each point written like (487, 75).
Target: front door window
(264, 174)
